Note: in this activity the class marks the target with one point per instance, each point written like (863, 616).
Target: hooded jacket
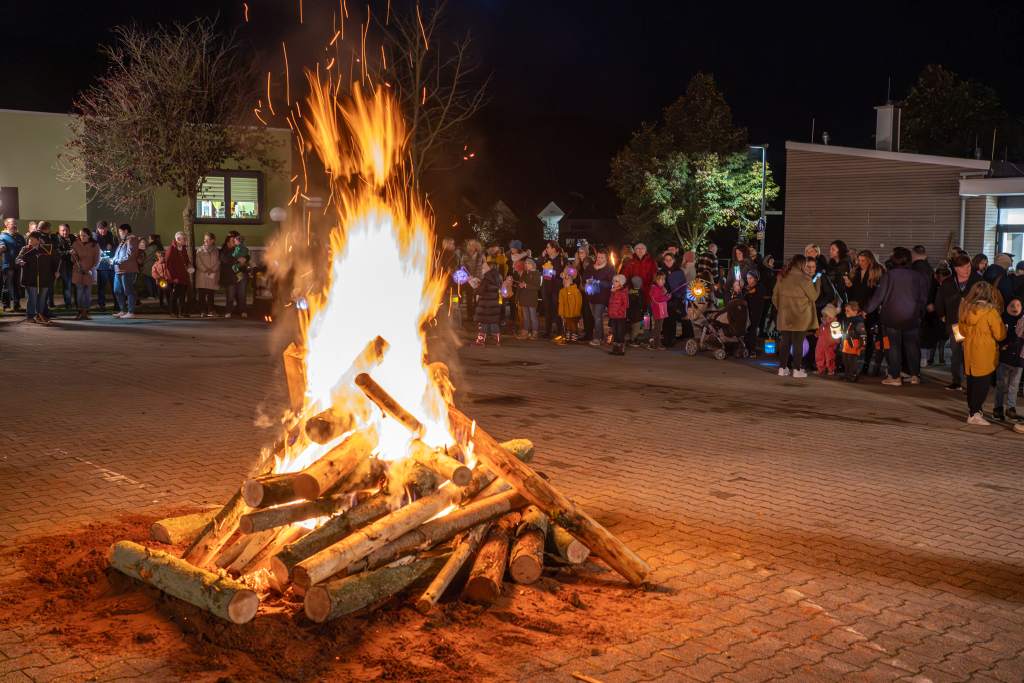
(644, 268)
(794, 298)
(86, 258)
(38, 266)
(901, 296)
(949, 296)
(982, 328)
(488, 311)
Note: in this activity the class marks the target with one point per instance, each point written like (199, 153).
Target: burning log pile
(378, 482)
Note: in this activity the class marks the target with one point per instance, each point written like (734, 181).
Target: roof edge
(69, 115)
(908, 157)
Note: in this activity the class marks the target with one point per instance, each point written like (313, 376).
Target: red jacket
(659, 302)
(618, 304)
(644, 269)
(178, 263)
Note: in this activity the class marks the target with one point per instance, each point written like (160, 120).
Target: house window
(230, 197)
(1011, 216)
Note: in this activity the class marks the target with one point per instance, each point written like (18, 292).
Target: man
(947, 307)
(65, 265)
(105, 270)
(642, 265)
(1000, 275)
(37, 270)
(919, 262)
(49, 245)
(11, 244)
(902, 296)
(126, 271)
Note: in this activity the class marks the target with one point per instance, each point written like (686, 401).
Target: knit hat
(1004, 261)
(619, 279)
(515, 244)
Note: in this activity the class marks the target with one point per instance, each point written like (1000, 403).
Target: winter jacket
(160, 272)
(659, 302)
(794, 299)
(708, 262)
(618, 304)
(13, 244)
(755, 304)
(107, 244)
(833, 288)
(859, 290)
(207, 267)
(149, 259)
(38, 266)
(570, 302)
(675, 288)
(527, 296)
(602, 283)
(644, 268)
(982, 328)
(63, 245)
(178, 263)
(86, 258)
(237, 254)
(924, 268)
(738, 271)
(949, 296)
(901, 296)
(488, 311)
(997, 276)
(855, 336)
(227, 262)
(1013, 343)
(551, 271)
(474, 263)
(126, 256)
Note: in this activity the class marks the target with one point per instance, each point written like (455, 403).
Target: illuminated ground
(809, 529)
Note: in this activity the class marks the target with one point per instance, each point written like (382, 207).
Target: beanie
(1004, 261)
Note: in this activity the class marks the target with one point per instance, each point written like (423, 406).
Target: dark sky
(572, 78)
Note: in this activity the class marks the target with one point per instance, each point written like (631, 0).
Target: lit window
(230, 197)
(1011, 216)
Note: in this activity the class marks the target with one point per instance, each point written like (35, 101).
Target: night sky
(573, 78)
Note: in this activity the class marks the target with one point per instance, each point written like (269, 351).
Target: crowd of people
(837, 313)
(116, 262)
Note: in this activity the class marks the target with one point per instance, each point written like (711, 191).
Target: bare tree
(171, 108)
(438, 84)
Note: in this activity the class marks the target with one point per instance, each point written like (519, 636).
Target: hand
(191, 270)
(931, 308)
(846, 281)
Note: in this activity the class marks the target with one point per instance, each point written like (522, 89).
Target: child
(1009, 370)
(526, 299)
(162, 276)
(659, 310)
(618, 307)
(825, 349)
(855, 339)
(982, 328)
(570, 305)
(635, 313)
(488, 310)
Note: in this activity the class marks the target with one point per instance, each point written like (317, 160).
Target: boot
(1011, 414)
(997, 414)
(497, 339)
(533, 336)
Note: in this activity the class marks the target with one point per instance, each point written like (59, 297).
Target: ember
(378, 481)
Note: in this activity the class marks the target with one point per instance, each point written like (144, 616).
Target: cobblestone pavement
(805, 529)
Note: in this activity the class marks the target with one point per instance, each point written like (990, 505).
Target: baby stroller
(721, 330)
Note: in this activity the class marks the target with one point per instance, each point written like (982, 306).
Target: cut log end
(317, 604)
(243, 606)
(527, 561)
(252, 493)
(461, 476)
(306, 486)
(280, 570)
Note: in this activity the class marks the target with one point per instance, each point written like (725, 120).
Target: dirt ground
(95, 612)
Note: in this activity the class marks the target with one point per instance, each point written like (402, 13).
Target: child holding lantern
(825, 349)
(570, 305)
(618, 306)
(855, 338)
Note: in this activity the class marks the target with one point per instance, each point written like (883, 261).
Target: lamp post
(761, 224)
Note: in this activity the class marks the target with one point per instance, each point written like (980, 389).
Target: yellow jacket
(983, 329)
(570, 302)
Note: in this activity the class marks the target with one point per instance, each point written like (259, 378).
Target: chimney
(887, 127)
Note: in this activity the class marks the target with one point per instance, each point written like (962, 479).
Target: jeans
(12, 287)
(36, 304)
(104, 279)
(598, 311)
(900, 341)
(178, 292)
(235, 296)
(956, 360)
(84, 293)
(124, 291)
(531, 321)
(656, 332)
(791, 346)
(1007, 381)
(69, 289)
(977, 392)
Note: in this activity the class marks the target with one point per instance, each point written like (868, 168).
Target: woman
(813, 251)
(473, 260)
(179, 265)
(738, 267)
(982, 328)
(675, 286)
(85, 256)
(582, 263)
(794, 298)
(598, 284)
(689, 265)
(979, 264)
(837, 272)
(754, 294)
(551, 264)
(860, 287)
(228, 279)
(207, 274)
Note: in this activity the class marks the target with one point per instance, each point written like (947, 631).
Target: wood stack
(347, 532)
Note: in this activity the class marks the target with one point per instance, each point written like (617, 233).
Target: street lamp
(761, 224)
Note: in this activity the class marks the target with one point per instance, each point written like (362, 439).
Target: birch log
(183, 529)
(485, 578)
(526, 560)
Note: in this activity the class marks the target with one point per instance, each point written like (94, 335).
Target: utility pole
(761, 223)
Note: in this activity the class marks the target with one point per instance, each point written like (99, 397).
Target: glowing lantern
(163, 283)
(592, 287)
(461, 276)
(571, 271)
(769, 346)
(836, 329)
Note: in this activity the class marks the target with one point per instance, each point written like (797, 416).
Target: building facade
(236, 197)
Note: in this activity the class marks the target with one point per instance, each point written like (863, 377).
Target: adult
(739, 266)
(979, 264)
(207, 274)
(794, 300)
(63, 243)
(982, 327)
(48, 242)
(754, 294)
(582, 261)
(919, 262)
(85, 256)
(837, 270)
(900, 299)
(552, 263)
(228, 276)
(689, 265)
(675, 287)
(813, 251)
(38, 267)
(105, 271)
(11, 244)
(598, 284)
(179, 267)
(642, 265)
(1001, 275)
(473, 261)
(860, 287)
(947, 306)
(707, 264)
(153, 245)
(126, 262)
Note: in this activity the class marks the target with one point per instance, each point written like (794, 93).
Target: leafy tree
(946, 115)
(173, 106)
(682, 178)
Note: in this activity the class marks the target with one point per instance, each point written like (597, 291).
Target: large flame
(382, 280)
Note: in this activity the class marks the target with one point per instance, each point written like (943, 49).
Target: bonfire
(378, 482)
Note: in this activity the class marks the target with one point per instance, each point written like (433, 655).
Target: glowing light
(836, 329)
(460, 276)
(302, 304)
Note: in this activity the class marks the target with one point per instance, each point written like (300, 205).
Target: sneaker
(892, 382)
(800, 374)
(979, 420)
(119, 314)
(1011, 414)
(783, 372)
(914, 379)
(227, 315)
(953, 387)
(127, 315)
(595, 342)
(997, 414)
(1019, 427)
(244, 315)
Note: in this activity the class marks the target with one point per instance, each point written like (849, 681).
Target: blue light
(592, 287)
(302, 304)
(549, 273)
(769, 346)
(461, 276)
(571, 271)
